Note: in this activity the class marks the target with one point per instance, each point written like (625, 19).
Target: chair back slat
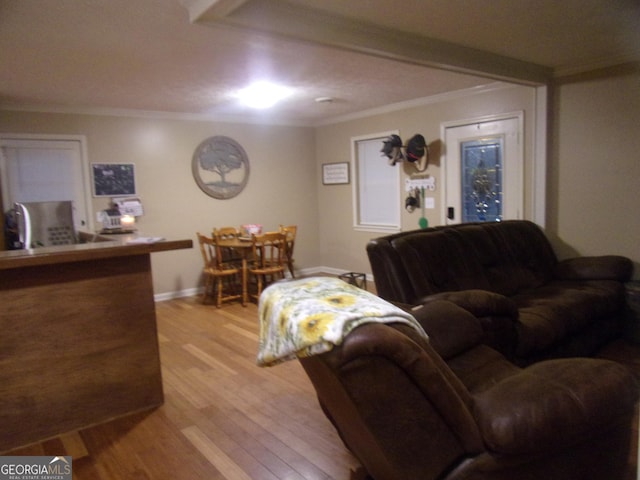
(290, 232)
(226, 233)
(219, 275)
(269, 250)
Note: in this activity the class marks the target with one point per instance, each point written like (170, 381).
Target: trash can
(355, 278)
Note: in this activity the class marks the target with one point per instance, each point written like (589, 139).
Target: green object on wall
(423, 222)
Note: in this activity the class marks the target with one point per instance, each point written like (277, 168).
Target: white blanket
(305, 317)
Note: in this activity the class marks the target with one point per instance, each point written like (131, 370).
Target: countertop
(96, 246)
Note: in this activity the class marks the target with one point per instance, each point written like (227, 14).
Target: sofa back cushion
(496, 263)
(502, 257)
(531, 257)
(388, 271)
(515, 254)
(437, 261)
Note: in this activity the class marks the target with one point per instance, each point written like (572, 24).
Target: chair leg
(219, 294)
(259, 287)
(207, 287)
(290, 265)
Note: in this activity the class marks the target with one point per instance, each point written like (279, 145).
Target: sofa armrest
(605, 267)
(480, 303)
(554, 404)
(496, 314)
(451, 329)
(395, 403)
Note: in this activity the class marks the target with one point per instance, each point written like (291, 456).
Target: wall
(594, 172)
(282, 175)
(343, 247)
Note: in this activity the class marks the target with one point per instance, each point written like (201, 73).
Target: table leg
(244, 281)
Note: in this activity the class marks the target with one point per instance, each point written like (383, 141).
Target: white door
(44, 170)
(483, 170)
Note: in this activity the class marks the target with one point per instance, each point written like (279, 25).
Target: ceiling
(185, 57)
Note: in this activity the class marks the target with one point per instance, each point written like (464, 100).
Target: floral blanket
(305, 317)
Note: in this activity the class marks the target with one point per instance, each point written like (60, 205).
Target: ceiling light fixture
(262, 95)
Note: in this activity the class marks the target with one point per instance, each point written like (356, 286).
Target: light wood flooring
(223, 417)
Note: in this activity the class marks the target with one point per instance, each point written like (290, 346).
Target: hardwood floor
(223, 417)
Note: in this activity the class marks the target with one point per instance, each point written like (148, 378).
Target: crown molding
(418, 102)
(131, 113)
(604, 64)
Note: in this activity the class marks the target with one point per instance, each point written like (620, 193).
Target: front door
(483, 170)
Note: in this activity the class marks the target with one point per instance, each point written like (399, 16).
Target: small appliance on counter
(121, 217)
(43, 224)
(110, 219)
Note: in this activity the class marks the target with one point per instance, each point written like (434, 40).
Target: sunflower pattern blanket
(309, 316)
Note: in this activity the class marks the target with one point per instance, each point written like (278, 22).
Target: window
(39, 168)
(376, 186)
(482, 180)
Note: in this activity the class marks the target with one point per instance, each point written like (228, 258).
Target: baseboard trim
(304, 272)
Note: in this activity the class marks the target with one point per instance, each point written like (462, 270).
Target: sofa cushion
(481, 367)
(558, 309)
(437, 262)
(554, 404)
(528, 250)
(498, 268)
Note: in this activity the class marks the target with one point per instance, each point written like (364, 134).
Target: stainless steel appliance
(44, 224)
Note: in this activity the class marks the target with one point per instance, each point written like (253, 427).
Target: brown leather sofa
(532, 306)
(452, 408)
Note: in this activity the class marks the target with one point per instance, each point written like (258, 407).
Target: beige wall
(282, 176)
(594, 174)
(343, 247)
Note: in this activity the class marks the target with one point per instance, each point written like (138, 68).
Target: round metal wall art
(220, 167)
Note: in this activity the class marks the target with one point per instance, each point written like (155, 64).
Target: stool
(354, 278)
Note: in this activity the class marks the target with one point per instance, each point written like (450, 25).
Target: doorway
(38, 169)
(483, 169)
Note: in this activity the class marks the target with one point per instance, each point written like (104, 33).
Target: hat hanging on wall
(392, 149)
(416, 151)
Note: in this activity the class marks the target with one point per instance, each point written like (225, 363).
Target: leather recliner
(452, 408)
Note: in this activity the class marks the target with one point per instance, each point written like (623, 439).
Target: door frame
(535, 174)
(519, 118)
(84, 162)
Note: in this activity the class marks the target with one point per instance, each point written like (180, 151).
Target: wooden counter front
(78, 341)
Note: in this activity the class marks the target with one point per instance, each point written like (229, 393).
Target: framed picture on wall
(113, 179)
(335, 173)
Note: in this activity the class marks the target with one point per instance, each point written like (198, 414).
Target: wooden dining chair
(290, 232)
(269, 256)
(221, 278)
(228, 233)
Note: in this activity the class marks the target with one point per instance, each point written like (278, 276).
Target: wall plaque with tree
(220, 167)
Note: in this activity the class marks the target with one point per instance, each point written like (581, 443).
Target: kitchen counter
(91, 247)
(79, 339)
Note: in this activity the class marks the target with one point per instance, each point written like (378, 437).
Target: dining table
(244, 247)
